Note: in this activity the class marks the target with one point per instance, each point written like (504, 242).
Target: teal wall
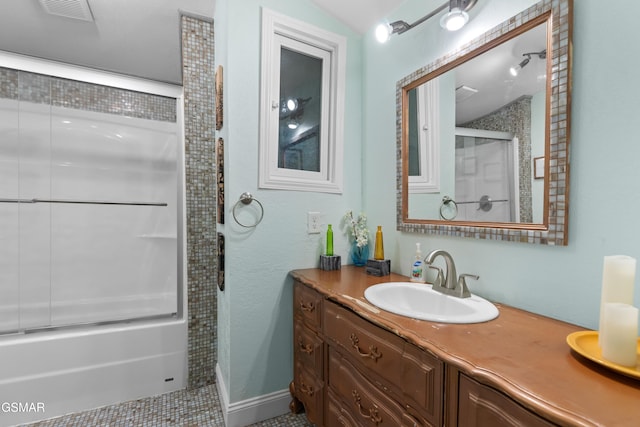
(561, 282)
(255, 310)
(254, 328)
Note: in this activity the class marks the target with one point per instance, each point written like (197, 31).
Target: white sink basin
(419, 301)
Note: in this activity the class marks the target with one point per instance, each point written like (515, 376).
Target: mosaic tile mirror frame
(554, 228)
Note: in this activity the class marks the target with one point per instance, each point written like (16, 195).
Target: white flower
(357, 228)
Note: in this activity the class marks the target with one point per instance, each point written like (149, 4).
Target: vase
(359, 254)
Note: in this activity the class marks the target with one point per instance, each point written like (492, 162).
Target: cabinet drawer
(307, 305)
(308, 389)
(308, 348)
(423, 384)
(367, 404)
(336, 414)
(376, 349)
(480, 405)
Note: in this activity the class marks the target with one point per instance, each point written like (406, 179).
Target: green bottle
(329, 241)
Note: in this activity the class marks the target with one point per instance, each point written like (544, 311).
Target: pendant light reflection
(515, 70)
(292, 111)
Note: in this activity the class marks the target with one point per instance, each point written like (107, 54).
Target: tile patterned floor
(185, 408)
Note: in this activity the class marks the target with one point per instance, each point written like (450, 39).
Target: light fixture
(515, 70)
(384, 31)
(457, 8)
(457, 16)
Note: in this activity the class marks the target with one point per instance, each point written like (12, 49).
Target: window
(424, 138)
(302, 106)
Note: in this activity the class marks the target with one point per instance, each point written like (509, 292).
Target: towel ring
(445, 202)
(246, 198)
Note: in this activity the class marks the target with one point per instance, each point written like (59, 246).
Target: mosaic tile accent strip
(189, 408)
(200, 175)
(8, 83)
(43, 89)
(556, 231)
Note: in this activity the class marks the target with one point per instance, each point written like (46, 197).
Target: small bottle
(329, 251)
(417, 267)
(378, 252)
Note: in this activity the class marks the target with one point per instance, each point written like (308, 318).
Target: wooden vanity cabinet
(356, 365)
(367, 376)
(350, 372)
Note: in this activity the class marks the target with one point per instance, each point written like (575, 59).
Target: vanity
(357, 365)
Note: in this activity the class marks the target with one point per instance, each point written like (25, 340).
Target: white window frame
(282, 31)
(428, 110)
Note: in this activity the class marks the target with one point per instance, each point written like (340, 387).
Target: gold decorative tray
(585, 343)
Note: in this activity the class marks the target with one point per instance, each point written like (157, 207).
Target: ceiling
(134, 37)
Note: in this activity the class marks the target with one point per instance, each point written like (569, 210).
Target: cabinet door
(482, 406)
(423, 385)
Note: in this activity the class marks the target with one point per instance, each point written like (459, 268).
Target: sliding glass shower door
(88, 216)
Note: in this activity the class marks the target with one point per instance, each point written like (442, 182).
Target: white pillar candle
(618, 278)
(620, 340)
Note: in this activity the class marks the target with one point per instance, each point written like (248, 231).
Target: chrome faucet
(449, 283)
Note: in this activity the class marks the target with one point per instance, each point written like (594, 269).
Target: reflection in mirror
(472, 123)
(499, 123)
(300, 94)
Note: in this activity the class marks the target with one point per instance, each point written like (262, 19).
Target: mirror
(482, 149)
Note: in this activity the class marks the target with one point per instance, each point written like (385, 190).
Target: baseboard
(250, 411)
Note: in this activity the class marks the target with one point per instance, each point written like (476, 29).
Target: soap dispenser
(417, 267)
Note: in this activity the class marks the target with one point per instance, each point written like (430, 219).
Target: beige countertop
(523, 354)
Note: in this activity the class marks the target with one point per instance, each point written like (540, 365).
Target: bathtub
(72, 274)
(51, 373)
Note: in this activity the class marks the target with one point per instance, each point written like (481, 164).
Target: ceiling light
(384, 31)
(454, 19)
(457, 16)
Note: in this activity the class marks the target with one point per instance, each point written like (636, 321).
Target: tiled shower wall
(198, 83)
(516, 119)
(58, 92)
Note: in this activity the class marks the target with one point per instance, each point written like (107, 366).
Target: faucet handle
(439, 278)
(461, 289)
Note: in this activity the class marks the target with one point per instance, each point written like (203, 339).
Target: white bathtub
(51, 373)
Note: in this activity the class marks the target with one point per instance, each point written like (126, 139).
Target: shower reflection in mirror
(471, 133)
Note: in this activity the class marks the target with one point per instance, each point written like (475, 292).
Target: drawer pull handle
(305, 348)
(307, 307)
(373, 350)
(308, 390)
(370, 414)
